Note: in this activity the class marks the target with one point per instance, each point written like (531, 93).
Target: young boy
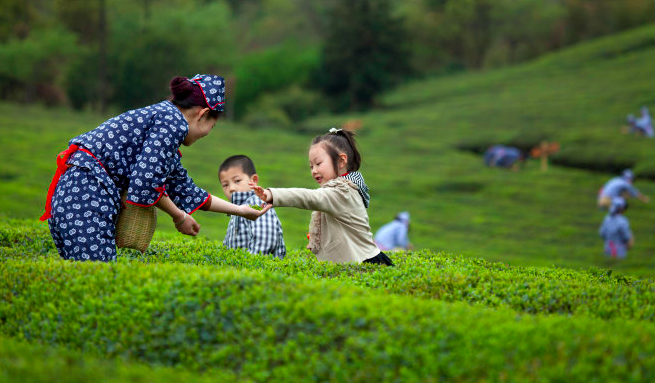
(263, 235)
(615, 230)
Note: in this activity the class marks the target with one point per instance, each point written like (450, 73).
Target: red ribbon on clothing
(62, 166)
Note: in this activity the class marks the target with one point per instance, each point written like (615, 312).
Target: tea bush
(17, 365)
(421, 274)
(266, 326)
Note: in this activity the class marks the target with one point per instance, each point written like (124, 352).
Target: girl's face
(321, 164)
(200, 124)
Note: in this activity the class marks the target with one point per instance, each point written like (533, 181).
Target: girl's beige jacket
(339, 229)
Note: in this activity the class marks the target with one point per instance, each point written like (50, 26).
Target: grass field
(578, 97)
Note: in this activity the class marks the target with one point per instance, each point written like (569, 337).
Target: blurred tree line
(283, 59)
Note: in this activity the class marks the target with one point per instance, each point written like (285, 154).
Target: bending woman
(138, 153)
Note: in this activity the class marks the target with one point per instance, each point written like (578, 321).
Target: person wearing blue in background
(643, 125)
(136, 153)
(503, 156)
(394, 235)
(615, 230)
(619, 187)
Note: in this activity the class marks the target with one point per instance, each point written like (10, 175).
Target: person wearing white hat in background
(394, 235)
(615, 230)
(619, 187)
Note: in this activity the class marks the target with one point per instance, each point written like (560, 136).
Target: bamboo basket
(135, 225)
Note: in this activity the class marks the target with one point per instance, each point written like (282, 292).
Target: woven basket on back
(135, 226)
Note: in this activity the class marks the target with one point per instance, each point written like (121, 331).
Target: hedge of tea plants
(18, 364)
(267, 326)
(421, 274)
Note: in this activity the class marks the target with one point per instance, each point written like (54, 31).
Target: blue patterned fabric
(136, 152)
(139, 150)
(84, 211)
(213, 87)
(261, 236)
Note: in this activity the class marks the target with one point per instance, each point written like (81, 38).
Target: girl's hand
(187, 225)
(263, 194)
(252, 214)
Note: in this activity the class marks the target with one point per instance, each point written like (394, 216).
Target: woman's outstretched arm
(219, 205)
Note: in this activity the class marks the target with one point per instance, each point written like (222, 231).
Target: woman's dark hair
(187, 95)
(341, 141)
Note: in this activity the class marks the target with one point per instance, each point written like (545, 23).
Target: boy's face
(235, 180)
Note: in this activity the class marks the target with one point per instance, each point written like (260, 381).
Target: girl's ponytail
(354, 160)
(341, 141)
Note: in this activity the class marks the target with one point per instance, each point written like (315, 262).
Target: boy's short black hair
(240, 160)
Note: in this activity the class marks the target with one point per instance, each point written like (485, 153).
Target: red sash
(62, 166)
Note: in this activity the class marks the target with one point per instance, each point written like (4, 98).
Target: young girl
(339, 229)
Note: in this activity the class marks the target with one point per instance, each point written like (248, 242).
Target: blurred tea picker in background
(619, 187)
(642, 126)
(615, 230)
(394, 236)
(503, 157)
(136, 155)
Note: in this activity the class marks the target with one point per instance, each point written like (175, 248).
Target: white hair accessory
(334, 130)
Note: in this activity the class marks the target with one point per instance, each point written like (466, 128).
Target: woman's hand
(187, 225)
(252, 214)
(263, 194)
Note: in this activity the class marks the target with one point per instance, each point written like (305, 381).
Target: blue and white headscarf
(213, 88)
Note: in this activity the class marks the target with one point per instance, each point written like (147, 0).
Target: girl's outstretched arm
(324, 199)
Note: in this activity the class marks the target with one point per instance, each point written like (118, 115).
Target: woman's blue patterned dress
(136, 152)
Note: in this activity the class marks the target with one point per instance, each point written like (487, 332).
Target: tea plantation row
(266, 326)
(17, 365)
(421, 274)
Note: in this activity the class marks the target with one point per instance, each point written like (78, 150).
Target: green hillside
(412, 158)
